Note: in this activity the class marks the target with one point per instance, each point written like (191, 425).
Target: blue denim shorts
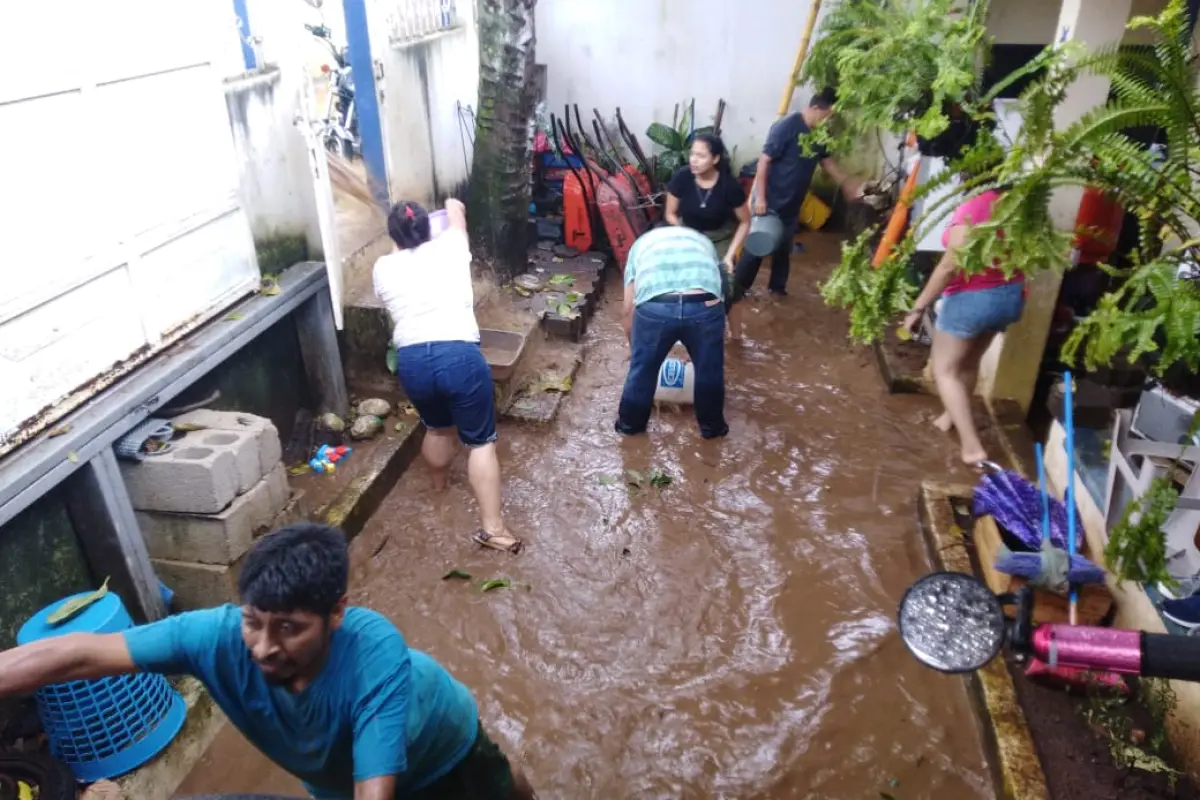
(450, 385)
(971, 314)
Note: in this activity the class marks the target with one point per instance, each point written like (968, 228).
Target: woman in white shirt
(425, 283)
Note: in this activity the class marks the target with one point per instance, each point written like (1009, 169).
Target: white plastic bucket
(676, 382)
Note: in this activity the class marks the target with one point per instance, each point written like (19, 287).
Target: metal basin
(502, 349)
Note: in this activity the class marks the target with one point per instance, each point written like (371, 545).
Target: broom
(1052, 568)
(349, 183)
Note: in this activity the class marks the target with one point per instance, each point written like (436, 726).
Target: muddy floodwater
(730, 635)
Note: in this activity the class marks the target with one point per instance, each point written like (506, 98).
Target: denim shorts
(450, 385)
(971, 314)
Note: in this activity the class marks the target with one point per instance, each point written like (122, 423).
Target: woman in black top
(706, 197)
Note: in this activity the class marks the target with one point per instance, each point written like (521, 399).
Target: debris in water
(457, 574)
(562, 280)
(299, 469)
(655, 477)
(269, 287)
(609, 480)
(61, 430)
(234, 317)
(495, 583)
(73, 457)
(77, 604)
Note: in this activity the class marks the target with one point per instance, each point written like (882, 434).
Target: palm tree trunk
(498, 200)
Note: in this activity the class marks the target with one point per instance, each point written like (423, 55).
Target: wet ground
(728, 635)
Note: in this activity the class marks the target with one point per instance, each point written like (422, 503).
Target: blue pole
(366, 99)
(248, 57)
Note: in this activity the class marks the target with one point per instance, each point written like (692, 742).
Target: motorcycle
(340, 125)
(953, 623)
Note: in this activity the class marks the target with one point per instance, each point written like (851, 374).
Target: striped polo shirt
(672, 259)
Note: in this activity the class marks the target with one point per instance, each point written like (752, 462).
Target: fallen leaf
(59, 431)
(495, 583)
(408, 409)
(956, 531)
(635, 478)
(659, 479)
(269, 287)
(573, 297)
(390, 359)
(561, 280)
(72, 607)
(609, 480)
(562, 309)
(903, 334)
(73, 457)
(299, 469)
(457, 574)
(234, 317)
(557, 260)
(187, 427)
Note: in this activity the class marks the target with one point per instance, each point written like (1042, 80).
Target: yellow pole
(813, 9)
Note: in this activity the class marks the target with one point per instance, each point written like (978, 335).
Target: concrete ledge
(159, 779)
(1018, 770)
(355, 504)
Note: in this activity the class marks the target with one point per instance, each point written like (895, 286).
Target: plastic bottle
(676, 382)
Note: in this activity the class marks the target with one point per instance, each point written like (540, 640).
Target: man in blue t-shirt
(784, 175)
(332, 694)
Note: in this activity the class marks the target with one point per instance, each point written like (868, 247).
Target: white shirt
(428, 292)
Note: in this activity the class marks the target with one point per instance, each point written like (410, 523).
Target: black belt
(680, 297)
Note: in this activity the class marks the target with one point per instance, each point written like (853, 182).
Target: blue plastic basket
(108, 727)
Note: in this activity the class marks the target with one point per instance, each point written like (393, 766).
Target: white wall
(424, 80)
(647, 55)
(275, 179)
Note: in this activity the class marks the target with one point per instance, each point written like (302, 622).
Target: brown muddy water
(731, 635)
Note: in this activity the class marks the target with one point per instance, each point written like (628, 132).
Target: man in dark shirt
(784, 175)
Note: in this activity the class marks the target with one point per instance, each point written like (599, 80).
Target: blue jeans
(657, 326)
(450, 385)
(969, 315)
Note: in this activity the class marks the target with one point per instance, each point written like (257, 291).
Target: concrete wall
(425, 80)
(276, 182)
(647, 55)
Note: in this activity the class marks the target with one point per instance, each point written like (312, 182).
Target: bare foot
(944, 423)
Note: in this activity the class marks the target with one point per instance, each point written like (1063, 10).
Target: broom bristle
(346, 181)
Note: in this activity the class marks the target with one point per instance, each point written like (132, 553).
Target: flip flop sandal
(506, 543)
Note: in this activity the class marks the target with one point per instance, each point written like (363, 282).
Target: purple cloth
(1016, 504)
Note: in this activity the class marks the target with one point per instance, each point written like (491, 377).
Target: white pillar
(1010, 367)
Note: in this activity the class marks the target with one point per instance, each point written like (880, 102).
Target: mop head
(1065, 677)
(1050, 568)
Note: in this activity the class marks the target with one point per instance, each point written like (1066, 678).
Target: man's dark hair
(824, 99)
(303, 567)
(408, 225)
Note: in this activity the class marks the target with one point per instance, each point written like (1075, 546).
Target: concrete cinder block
(199, 585)
(243, 445)
(218, 539)
(185, 479)
(264, 431)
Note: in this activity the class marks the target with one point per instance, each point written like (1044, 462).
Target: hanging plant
(1137, 548)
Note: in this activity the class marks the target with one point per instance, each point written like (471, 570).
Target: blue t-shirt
(376, 709)
(791, 170)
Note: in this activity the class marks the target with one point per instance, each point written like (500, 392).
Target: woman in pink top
(971, 310)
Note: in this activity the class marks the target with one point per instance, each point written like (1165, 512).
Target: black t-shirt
(791, 170)
(706, 209)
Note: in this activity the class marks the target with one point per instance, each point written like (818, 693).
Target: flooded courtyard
(730, 634)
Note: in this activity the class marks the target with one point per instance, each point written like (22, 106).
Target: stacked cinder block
(201, 504)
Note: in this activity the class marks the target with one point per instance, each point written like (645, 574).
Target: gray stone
(374, 407)
(331, 423)
(366, 427)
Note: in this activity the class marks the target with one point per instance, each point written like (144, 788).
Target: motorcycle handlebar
(1166, 656)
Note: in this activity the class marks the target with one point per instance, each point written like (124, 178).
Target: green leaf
(73, 457)
(457, 574)
(391, 359)
(76, 605)
(665, 136)
(495, 583)
(562, 280)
